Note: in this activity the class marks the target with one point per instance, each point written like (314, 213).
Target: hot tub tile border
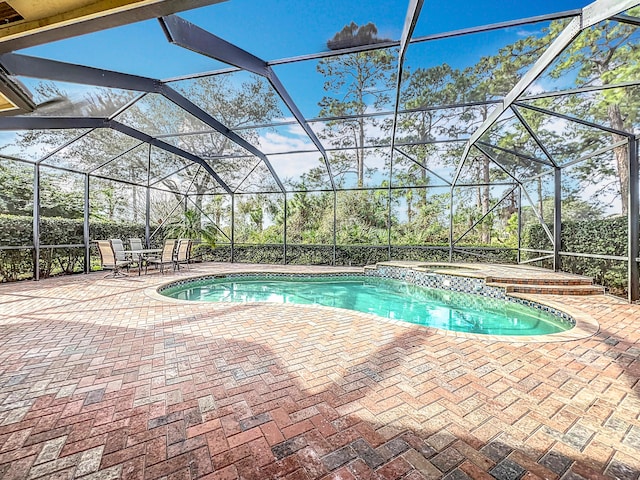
(456, 283)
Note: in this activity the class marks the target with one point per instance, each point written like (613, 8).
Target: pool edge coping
(585, 325)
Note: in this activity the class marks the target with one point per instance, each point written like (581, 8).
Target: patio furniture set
(114, 256)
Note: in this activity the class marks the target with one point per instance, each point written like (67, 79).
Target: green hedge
(346, 255)
(18, 231)
(603, 237)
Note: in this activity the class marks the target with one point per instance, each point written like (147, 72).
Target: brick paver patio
(99, 380)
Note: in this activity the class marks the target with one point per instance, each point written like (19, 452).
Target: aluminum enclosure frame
(208, 44)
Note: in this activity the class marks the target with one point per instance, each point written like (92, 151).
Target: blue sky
(273, 29)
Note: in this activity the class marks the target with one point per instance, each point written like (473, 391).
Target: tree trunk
(423, 174)
(361, 154)
(485, 200)
(134, 205)
(540, 199)
(362, 107)
(424, 136)
(621, 154)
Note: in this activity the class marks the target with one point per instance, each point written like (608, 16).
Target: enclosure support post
(233, 227)
(335, 205)
(36, 222)
(147, 219)
(284, 233)
(451, 226)
(87, 245)
(389, 199)
(557, 218)
(389, 223)
(519, 222)
(634, 217)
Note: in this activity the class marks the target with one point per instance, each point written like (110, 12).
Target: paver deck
(99, 380)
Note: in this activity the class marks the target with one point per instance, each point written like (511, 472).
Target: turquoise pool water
(392, 299)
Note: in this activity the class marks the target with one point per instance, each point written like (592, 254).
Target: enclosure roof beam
(64, 145)
(187, 35)
(409, 157)
(113, 159)
(410, 21)
(50, 123)
(382, 113)
(495, 162)
(516, 153)
(597, 152)
(586, 89)
(411, 18)
(385, 188)
(200, 114)
(66, 72)
(477, 222)
(132, 132)
(537, 213)
(369, 147)
(586, 123)
(623, 18)
(533, 134)
(35, 67)
(391, 44)
(590, 15)
(550, 54)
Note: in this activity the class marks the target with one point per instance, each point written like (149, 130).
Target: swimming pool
(386, 298)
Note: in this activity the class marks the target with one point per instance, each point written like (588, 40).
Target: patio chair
(136, 244)
(118, 248)
(121, 253)
(183, 253)
(109, 260)
(167, 255)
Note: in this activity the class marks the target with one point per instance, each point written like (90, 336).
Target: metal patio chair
(121, 253)
(136, 244)
(109, 259)
(167, 257)
(183, 253)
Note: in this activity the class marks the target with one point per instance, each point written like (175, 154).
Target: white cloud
(290, 138)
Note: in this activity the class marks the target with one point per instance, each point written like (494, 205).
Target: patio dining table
(140, 253)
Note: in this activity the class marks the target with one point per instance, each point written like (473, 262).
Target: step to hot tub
(540, 281)
(549, 289)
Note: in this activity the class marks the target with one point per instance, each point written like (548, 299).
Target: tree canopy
(407, 190)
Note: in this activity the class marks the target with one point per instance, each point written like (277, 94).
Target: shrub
(346, 255)
(604, 237)
(17, 231)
